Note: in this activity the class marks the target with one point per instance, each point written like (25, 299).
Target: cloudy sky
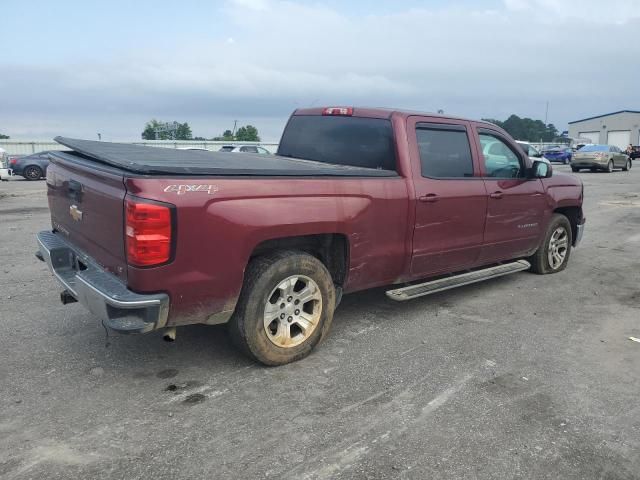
(76, 68)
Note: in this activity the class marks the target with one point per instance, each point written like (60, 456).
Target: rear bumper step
(441, 284)
(102, 293)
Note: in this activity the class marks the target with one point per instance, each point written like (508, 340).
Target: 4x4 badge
(182, 189)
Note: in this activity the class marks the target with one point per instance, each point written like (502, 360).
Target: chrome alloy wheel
(292, 311)
(558, 247)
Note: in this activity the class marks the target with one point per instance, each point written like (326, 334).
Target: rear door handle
(496, 195)
(429, 198)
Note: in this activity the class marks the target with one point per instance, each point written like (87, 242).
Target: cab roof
(382, 112)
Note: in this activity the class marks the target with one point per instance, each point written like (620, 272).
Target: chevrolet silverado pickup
(150, 238)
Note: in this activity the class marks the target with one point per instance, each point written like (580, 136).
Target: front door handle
(496, 195)
(429, 198)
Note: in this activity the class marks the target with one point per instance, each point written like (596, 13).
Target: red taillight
(13, 161)
(147, 233)
(346, 111)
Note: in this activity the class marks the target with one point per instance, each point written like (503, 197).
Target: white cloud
(596, 11)
(468, 61)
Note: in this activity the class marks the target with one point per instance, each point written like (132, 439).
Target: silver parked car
(245, 149)
(600, 157)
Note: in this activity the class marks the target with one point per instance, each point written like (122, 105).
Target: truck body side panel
(218, 231)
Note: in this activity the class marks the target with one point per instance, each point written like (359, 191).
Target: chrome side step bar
(434, 286)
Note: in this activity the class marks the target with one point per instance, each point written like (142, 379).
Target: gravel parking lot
(524, 376)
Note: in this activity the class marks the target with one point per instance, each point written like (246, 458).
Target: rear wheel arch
(332, 249)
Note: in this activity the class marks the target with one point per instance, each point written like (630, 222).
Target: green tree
(526, 128)
(165, 131)
(248, 133)
(149, 132)
(4, 137)
(184, 132)
(227, 136)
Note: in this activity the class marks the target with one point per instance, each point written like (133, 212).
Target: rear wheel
(32, 172)
(553, 254)
(285, 307)
(627, 166)
(610, 166)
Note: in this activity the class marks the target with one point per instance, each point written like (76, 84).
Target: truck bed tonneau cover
(169, 161)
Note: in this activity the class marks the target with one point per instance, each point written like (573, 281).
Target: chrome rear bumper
(101, 292)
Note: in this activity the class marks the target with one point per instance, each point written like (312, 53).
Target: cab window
(444, 151)
(500, 160)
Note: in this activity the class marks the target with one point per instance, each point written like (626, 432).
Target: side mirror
(538, 155)
(540, 170)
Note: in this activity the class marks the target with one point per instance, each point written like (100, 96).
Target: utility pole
(235, 123)
(546, 113)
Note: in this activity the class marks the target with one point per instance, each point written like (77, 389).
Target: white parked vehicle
(245, 149)
(5, 172)
(532, 152)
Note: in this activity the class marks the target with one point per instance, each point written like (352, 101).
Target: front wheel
(553, 254)
(627, 166)
(574, 169)
(610, 166)
(285, 307)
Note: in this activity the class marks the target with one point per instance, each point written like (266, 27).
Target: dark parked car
(31, 167)
(635, 152)
(558, 154)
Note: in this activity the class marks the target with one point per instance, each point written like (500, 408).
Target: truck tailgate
(86, 203)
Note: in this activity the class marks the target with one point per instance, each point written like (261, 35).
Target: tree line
(527, 129)
(157, 130)
(519, 128)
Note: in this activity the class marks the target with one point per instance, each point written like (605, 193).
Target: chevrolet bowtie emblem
(75, 213)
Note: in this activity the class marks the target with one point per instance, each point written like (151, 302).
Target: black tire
(32, 172)
(567, 161)
(263, 275)
(610, 166)
(627, 166)
(574, 169)
(540, 260)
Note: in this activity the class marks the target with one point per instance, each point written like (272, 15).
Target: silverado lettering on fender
(356, 198)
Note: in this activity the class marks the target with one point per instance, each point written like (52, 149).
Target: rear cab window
(444, 150)
(340, 140)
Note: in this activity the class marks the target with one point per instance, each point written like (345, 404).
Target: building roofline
(604, 115)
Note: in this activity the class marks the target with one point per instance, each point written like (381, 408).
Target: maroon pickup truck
(150, 238)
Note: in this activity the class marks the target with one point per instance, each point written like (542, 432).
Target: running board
(434, 286)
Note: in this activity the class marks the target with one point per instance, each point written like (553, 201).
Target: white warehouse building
(617, 128)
